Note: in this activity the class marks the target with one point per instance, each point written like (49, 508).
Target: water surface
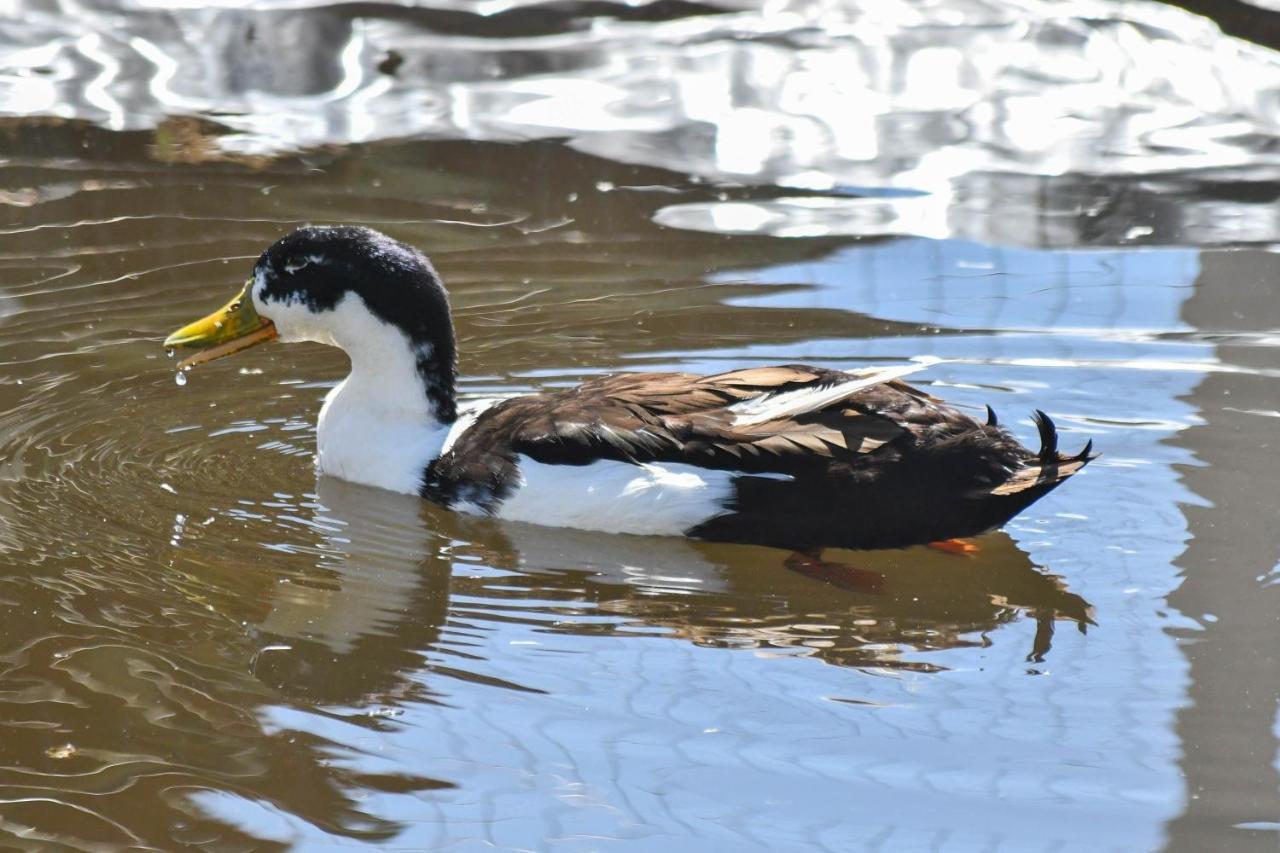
(205, 645)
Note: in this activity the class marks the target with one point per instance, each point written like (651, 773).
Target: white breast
(617, 497)
(362, 442)
(366, 446)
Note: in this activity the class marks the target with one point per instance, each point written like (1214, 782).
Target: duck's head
(347, 286)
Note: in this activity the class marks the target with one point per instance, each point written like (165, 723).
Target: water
(204, 645)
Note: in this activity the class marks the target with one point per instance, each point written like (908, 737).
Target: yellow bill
(233, 327)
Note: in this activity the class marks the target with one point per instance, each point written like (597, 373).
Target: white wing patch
(467, 416)
(663, 499)
(785, 404)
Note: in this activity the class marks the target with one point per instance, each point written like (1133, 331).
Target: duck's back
(791, 456)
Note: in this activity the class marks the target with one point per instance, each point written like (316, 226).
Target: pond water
(205, 645)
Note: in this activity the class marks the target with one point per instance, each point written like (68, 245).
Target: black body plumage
(888, 466)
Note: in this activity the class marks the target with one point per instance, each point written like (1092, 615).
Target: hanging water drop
(168, 351)
(180, 377)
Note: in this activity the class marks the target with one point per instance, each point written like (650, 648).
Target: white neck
(377, 426)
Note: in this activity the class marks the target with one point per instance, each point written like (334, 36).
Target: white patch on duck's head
(293, 318)
(348, 325)
(295, 264)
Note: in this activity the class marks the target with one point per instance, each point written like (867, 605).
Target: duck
(789, 456)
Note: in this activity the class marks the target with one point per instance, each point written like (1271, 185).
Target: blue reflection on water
(1077, 333)
(965, 285)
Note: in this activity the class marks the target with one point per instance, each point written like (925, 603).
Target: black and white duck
(791, 456)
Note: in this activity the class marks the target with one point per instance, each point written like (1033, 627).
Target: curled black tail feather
(992, 420)
(1036, 475)
(1048, 437)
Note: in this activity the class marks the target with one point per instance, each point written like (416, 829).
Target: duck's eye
(294, 264)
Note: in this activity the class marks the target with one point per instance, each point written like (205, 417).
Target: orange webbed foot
(959, 547)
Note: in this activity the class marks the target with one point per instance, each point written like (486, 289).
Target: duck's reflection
(399, 585)
(377, 599)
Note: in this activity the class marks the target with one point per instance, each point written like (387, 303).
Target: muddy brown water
(205, 646)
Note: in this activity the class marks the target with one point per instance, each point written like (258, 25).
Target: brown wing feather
(642, 417)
